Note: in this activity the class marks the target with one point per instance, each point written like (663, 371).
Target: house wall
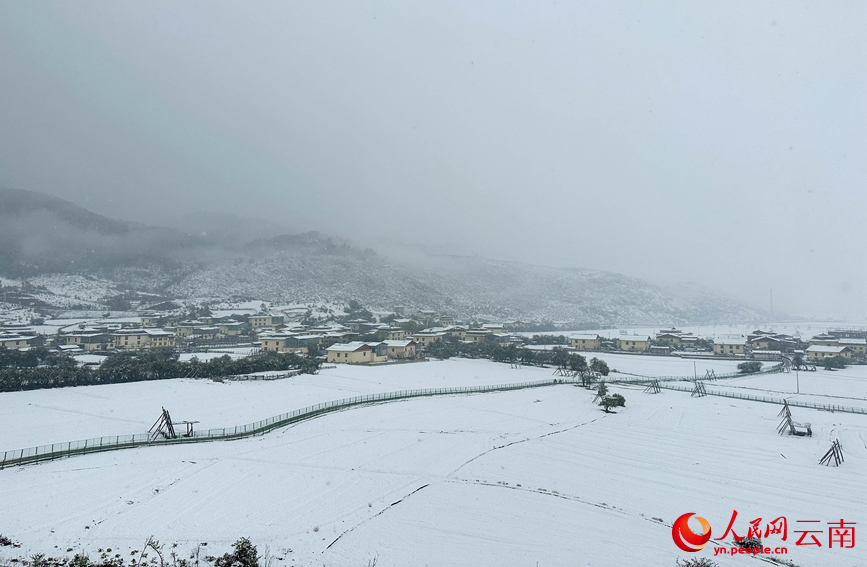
(721, 349)
(633, 345)
(585, 344)
(357, 357)
(401, 352)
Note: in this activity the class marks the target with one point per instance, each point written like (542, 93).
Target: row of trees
(449, 346)
(158, 364)
(33, 357)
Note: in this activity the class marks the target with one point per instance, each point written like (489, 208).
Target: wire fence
(115, 442)
(769, 399)
(775, 369)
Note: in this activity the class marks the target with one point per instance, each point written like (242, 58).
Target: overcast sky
(716, 142)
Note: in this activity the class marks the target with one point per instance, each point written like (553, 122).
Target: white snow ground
(512, 478)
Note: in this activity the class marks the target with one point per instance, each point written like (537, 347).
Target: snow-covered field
(517, 478)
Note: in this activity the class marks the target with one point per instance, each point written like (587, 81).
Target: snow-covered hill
(100, 259)
(461, 286)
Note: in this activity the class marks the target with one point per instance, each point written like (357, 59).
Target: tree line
(40, 368)
(450, 346)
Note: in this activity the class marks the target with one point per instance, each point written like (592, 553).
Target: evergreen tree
(599, 366)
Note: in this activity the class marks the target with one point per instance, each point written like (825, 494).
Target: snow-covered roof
(740, 341)
(639, 338)
(862, 342)
(16, 338)
(150, 332)
(401, 344)
(585, 337)
(85, 335)
(827, 349)
(348, 347)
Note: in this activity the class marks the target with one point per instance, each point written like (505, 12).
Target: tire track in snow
(524, 441)
(602, 505)
(380, 513)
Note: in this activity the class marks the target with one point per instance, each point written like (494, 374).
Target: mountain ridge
(316, 267)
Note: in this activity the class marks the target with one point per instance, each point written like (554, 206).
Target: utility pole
(797, 381)
(694, 371)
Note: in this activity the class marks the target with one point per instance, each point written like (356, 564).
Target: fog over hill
(214, 259)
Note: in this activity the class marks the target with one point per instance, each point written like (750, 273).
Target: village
(394, 338)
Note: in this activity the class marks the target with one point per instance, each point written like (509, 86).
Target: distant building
(151, 320)
(17, 342)
(496, 328)
(478, 336)
(288, 342)
(671, 338)
(88, 341)
(424, 339)
(207, 332)
(456, 331)
(823, 340)
(660, 349)
(134, 339)
(633, 343)
(187, 328)
(857, 346)
(400, 349)
(231, 329)
(848, 333)
(391, 334)
(260, 320)
(781, 343)
(585, 342)
(817, 353)
(334, 337)
(272, 343)
(730, 347)
(356, 353)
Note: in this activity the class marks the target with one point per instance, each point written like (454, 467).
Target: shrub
(750, 543)
(835, 362)
(615, 401)
(749, 367)
(599, 366)
(697, 562)
(602, 389)
(245, 554)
